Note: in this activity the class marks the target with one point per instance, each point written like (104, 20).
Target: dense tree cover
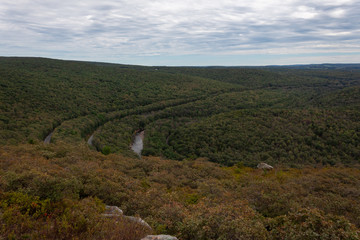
(38, 94)
(308, 95)
(118, 135)
(53, 191)
(184, 113)
(295, 137)
(289, 77)
(261, 131)
(180, 107)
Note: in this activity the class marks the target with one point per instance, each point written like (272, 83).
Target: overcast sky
(183, 32)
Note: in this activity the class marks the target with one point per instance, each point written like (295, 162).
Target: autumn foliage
(59, 191)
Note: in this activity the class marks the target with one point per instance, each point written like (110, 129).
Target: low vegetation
(64, 188)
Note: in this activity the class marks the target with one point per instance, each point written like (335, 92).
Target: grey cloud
(156, 27)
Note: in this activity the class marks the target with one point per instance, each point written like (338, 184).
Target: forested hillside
(205, 131)
(41, 93)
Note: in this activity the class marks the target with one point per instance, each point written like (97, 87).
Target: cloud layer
(139, 31)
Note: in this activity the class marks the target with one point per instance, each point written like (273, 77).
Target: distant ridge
(332, 66)
(125, 65)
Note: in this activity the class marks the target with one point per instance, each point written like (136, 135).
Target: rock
(112, 211)
(264, 166)
(159, 237)
(138, 220)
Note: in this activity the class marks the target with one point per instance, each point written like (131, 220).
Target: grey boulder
(159, 237)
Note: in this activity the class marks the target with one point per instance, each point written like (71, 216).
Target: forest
(205, 131)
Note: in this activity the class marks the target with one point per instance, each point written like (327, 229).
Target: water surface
(138, 143)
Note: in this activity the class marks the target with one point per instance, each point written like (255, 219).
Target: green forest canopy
(283, 115)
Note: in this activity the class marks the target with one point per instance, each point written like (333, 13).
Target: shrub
(312, 224)
(28, 217)
(231, 220)
(106, 150)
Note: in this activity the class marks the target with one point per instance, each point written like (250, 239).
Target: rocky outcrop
(159, 237)
(114, 211)
(138, 220)
(264, 166)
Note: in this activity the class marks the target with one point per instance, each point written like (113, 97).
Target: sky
(183, 32)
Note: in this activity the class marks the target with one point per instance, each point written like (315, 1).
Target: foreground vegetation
(206, 129)
(54, 190)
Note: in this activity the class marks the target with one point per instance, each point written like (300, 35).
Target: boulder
(112, 211)
(159, 237)
(138, 220)
(264, 166)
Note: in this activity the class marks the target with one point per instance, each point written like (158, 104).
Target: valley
(178, 147)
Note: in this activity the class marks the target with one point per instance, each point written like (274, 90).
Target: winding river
(48, 138)
(90, 140)
(138, 143)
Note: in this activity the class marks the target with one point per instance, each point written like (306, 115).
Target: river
(90, 140)
(48, 138)
(138, 143)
